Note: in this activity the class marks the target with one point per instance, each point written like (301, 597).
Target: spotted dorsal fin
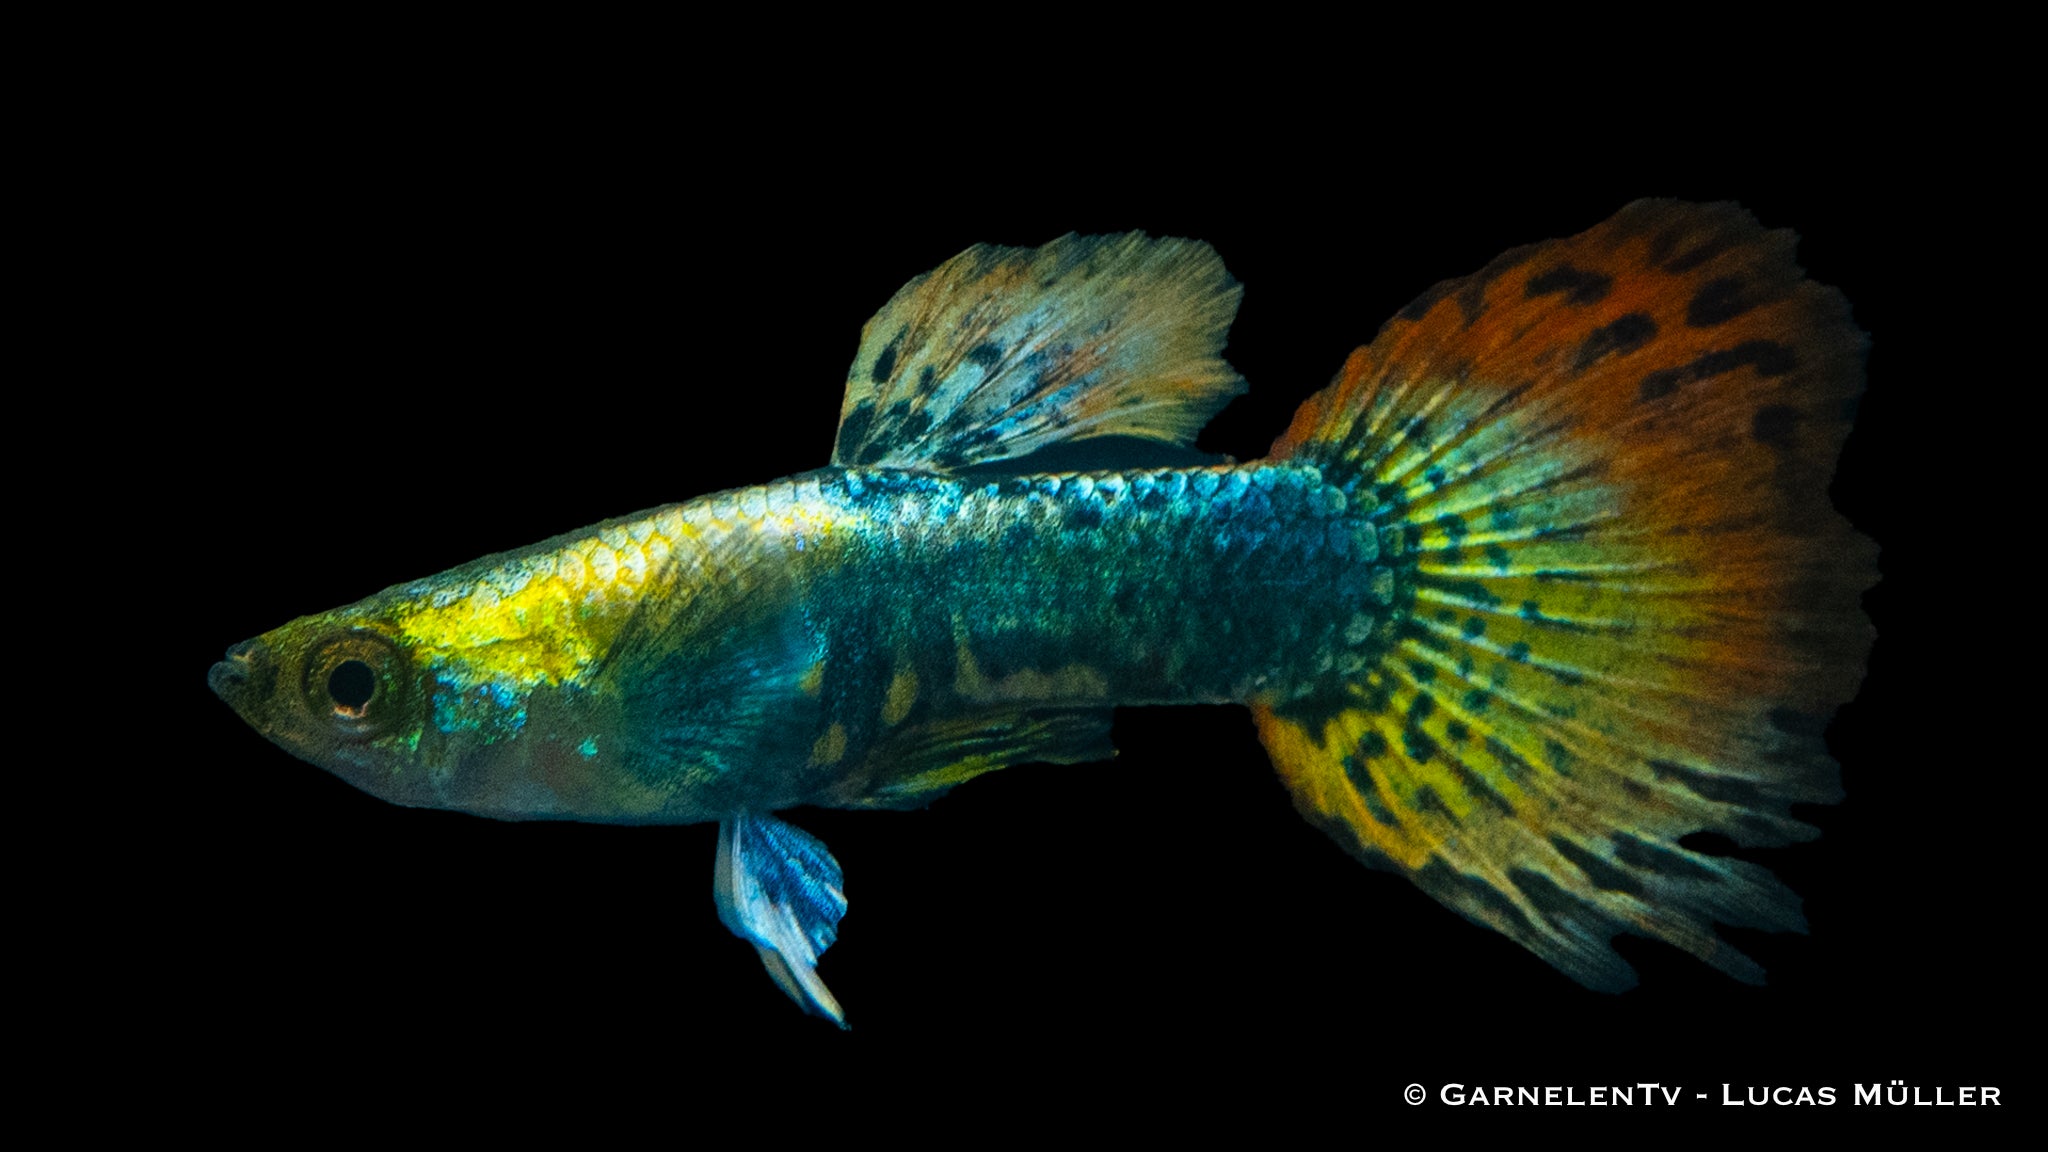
(999, 352)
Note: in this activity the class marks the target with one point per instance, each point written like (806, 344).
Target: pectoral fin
(778, 887)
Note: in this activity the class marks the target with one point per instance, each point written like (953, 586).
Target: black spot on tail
(1718, 301)
(1418, 745)
(1719, 789)
(1557, 905)
(1767, 357)
(1648, 857)
(1427, 801)
(1469, 894)
(1420, 306)
(1470, 292)
(1477, 786)
(1700, 253)
(1578, 286)
(1377, 807)
(1600, 872)
(1624, 335)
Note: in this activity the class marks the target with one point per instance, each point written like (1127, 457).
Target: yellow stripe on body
(547, 616)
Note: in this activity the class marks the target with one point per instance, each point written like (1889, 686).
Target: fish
(1545, 581)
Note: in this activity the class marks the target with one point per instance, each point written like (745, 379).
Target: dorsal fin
(1002, 351)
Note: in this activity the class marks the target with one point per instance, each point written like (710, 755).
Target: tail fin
(1624, 609)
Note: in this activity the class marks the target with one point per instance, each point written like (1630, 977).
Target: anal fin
(779, 888)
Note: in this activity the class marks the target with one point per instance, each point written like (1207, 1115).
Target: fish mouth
(246, 676)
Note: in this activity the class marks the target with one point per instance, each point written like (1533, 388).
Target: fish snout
(246, 676)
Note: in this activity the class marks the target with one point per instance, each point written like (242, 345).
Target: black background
(432, 336)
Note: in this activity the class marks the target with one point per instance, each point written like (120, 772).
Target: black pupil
(351, 684)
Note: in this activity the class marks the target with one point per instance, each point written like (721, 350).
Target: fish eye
(357, 680)
(351, 685)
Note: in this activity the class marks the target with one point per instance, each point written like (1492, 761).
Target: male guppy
(1545, 580)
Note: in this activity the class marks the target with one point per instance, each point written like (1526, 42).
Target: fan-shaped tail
(1625, 607)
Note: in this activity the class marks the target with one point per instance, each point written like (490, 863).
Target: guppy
(1545, 580)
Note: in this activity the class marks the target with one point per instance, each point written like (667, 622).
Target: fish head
(420, 700)
(338, 690)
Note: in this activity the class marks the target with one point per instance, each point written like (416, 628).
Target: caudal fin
(1624, 609)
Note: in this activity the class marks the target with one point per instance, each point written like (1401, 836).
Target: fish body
(1544, 581)
(860, 603)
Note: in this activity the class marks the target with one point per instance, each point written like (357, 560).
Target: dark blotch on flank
(1718, 301)
(985, 354)
(1578, 285)
(1625, 334)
